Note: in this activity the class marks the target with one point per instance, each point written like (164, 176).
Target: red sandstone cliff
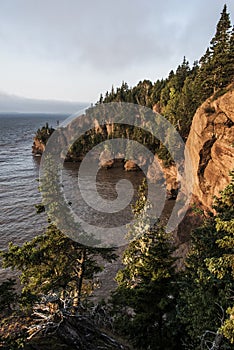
(211, 145)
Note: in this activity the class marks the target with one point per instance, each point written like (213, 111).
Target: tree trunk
(78, 290)
(217, 342)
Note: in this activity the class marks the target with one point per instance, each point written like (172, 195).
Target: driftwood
(54, 324)
(82, 334)
(75, 332)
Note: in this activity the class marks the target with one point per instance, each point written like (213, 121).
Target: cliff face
(158, 173)
(211, 146)
(41, 138)
(38, 146)
(210, 143)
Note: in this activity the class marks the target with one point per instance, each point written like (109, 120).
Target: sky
(73, 50)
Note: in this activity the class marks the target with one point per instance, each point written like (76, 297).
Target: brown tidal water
(19, 194)
(19, 171)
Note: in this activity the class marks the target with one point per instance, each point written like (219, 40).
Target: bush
(219, 93)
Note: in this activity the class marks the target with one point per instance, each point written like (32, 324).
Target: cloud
(104, 33)
(99, 41)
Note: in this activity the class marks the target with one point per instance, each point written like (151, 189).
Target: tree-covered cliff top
(179, 95)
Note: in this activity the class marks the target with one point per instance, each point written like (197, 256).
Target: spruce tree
(146, 285)
(216, 66)
(203, 84)
(230, 68)
(222, 265)
(208, 282)
(220, 52)
(170, 98)
(53, 263)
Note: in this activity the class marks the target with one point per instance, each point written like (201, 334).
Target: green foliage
(44, 133)
(216, 66)
(164, 154)
(223, 265)
(86, 142)
(219, 93)
(208, 281)
(8, 295)
(54, 263)
(145, 298)
(154, 305)
(227, 328)
(220, 49)
(13, 332)
(159, 308)
(177, 97)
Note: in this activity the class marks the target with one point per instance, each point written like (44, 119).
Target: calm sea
(19, 171)
(18, 177)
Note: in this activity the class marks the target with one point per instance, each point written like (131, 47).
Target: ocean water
(19, 171)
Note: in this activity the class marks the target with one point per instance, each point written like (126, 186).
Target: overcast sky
(74, 50)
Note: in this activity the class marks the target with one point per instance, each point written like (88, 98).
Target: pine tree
(182, 72)
(230, 68)
(216, 66)
(156, 91)
(220, 51)
(53, 263)
(8, 296)
(203, 84)
(142, 92)
(147, 284)
(170, 99)
(187, 104)
(208, 282)
(222, 265)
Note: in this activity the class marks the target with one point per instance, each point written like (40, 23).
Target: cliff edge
(211, 145)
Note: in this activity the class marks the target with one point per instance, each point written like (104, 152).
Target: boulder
(130, 165)
(106, 159)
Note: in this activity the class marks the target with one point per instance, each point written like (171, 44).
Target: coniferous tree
(171, 94)
(203, 86)
(216, 66)
(8, 296)
(208, 282)
(222, 265)
(182, 72)
(220, 52)
(142, 92)
(230, 68)
(147, 285)
(53, 263)
(187, 104)
(156, 91)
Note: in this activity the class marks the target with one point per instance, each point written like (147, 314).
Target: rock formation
(106, 159)
(130, 165)
(158, 173)
(40, 139)
(38, 147)
(211, 146)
